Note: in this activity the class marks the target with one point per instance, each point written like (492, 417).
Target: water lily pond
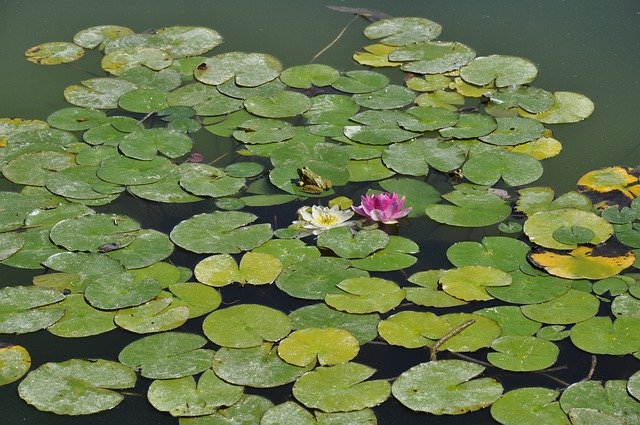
(353, 213)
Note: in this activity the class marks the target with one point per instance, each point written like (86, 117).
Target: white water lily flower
(316, 219)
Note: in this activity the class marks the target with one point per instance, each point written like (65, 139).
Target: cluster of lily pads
(477, 121)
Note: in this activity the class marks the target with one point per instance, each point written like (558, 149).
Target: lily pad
(361, 326)
(511, 320)
(446, 387)
(156, 315)
(523, 353)
(341, 388)
(224, 232)
(145, 144)
(246, 325)
(430, 294)
(584, 262)
(345, 244)
(80, 319)
(259, 366)
(148, 247)
(529, 405)
(91, 232)
(181, 397)
(514, 131)
(540, 227)
(98, 93)
(119, 60)
(504, 70)
(287, 413)
(416, 156)
(472, 207)
(599, 335)
(567, 107)
(255, 269)
(469, 125)
(360, 82)
(611, 400)
(280, 105)
(432, 57)
(21, 312)
(515, 169)
(572, 307)
(366, 295)
(249, 409)
(328, 345)
(54, 53)
(304, 76)
(389, 97)
(403, 31)
(99, 35)
(76, 387)
(527, 289)
(468, 283)
(506, 254)
(14, 363)
(200, 299)
(76, 119)
(167, 355)
(248, 69)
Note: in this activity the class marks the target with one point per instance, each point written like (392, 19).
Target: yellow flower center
(327, 219)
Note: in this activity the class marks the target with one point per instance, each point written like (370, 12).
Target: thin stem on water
(434, 348)
(334, 40)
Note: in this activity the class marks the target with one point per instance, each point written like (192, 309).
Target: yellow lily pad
(376, 55)
(583, 262)
(542, 148)
(610, 179)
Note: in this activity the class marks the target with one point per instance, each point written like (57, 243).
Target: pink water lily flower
(383, 207)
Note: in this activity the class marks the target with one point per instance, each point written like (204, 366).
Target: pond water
(587, 47)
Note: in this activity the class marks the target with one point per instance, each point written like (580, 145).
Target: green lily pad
(625, 305)
(514, 131)
(472, 207)
(572, 307)
(515, 169)
(433, 117)
(535, 199)
(567, 107)
(394, 256)
(249, 409)
(21, 312)
(14, 209)
(232, 89)
(347, 245)
(529, 405)
(80, 319)
(611, 400)
(368, 170)
(92, 232)
(99, 35)
(76, 119)
(430, 294)
(76, 387)
(506, 254)
(263, 130)
(632, 385)
(156, 315)
(54, 53)
(98, 93)
(145, 144)
(128, 171)
(259, 366)
(469, 125)
(523, 353)
(183, 41)
(119, 60)
(280, 105)
(432, 57)
(205, 180)
(205, 100)
(503, 70)
(416, 156)
(403, 31)
(341, 388)
(531, 99)
(366, 295)
(418, 194)
(246, 325)
(166, 190)
(511, 320)
(377, 135)
(313, 279)
(469, 282)
(119, 291)
(328, 345)
(200, 299)
(288, 251)
(389, 97)
(541, 226)
(527, 289)
(181, 397)
(143, 100)
(412, 329)
(167, 355)
(573, 235)
(304, 76)
(10, 243)
(37, 247)
(599, 335)
(361, 326)
(448, 100)
(225, 232)
(360, 82)
(112, 132)
(248, 69)
(14, 363)
(148, 247)
(446, 387)
(287, 413)
(255, 269)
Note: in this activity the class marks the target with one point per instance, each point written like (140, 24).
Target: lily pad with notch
(403, 31)
(504, 70)
(247, 69)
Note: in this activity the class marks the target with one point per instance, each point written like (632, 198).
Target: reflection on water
(589, 47)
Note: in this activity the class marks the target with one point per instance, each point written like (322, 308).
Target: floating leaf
(91, 232)
(366, 295)
(599, 335)
(584, 262)
(99, 35)
(75, 119)
(254, 269)
(523, 353)
(469, 282)
(280, 105)
(259, 366)
(403, 31)
(313, 279)
(542, 148)
(611, 401)
(470, 125)
(610, 179)
(119, 291)
(531, 99)
(572, 307)
(76, 387)
(429, 294)
(54, 53)
(514, 168)
(98, 93)
(14, 363)
(246, 325)
(148, 247)
(472, 207)
(117, 61)
(504, 70)
(181, 397)
(345, 244)
(249, 409)
(20, 312)
(506, 254)
(287, 413)
(288, 251)
(248, 69)
(263, 130)
(304, 76)
(416, 156)
(361, 326)
(541, 226)
(511, 320)
(433, 57)
(446, 387)
(529, 405)
(226, 232)
(360, 82)
(535, 199)
(156, 315)
(514, 131)
(340, 388)
(37, 248)
(80, 319)
(527, 289)
(167, 355)
(567, 107)
(376, 55)
(389, 97)
(328, 345)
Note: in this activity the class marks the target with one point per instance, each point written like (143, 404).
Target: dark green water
(587, 46)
